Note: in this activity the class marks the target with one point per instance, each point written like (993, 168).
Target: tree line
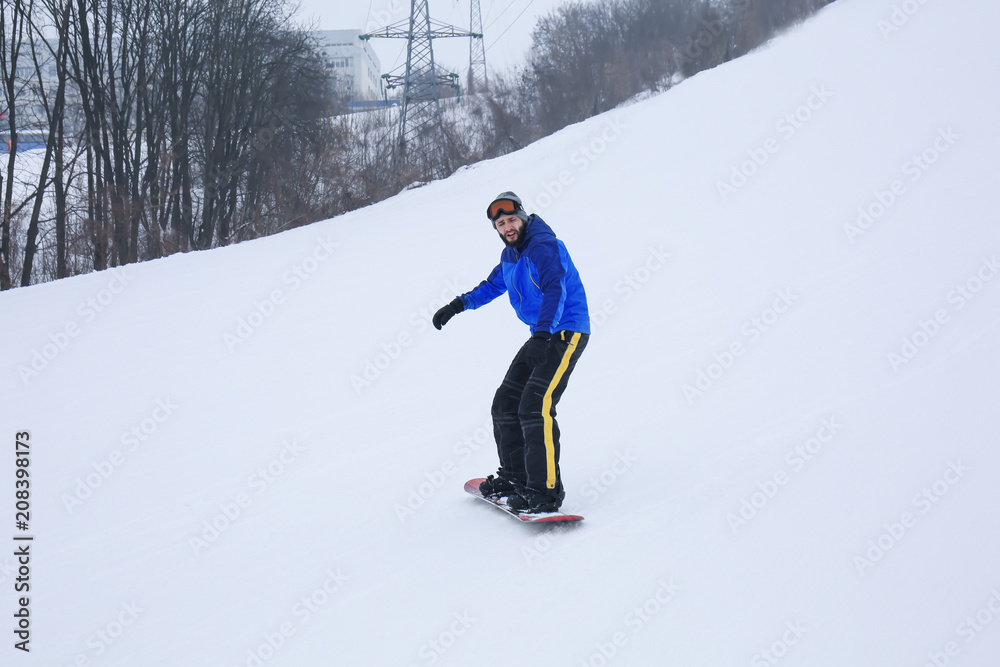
(175, 125)
(589, 57)
(168, 125)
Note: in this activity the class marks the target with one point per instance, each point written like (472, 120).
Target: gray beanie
(518, 207)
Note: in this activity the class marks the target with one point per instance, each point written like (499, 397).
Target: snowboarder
(545, 290)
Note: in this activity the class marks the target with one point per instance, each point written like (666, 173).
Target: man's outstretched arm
(485, 292)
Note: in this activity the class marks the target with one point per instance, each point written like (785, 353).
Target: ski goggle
(502, 207)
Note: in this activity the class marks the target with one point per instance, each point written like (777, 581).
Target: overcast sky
(507, 26)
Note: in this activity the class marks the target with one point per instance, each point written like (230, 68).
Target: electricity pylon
(420, 114)
(477, 52)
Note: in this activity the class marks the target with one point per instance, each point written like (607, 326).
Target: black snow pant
(524, 414)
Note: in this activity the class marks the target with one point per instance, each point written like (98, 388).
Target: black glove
(442, 316)
(536, 350)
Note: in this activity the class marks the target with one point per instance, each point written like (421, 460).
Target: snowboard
(472, 487)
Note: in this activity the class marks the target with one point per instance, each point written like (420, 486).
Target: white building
(29, 111)
(354, 62)
(30, 115)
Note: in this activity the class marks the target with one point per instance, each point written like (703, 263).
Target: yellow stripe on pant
(550, 445)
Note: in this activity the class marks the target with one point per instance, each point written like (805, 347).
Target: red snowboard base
(472, 487)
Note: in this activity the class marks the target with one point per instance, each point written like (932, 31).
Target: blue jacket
(539, 277)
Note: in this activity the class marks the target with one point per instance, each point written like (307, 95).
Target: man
(544, 288)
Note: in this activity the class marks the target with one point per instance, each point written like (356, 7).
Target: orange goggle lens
(501, 207)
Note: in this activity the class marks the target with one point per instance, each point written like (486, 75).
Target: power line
(497, 17)
(369, 14)
(511, 25)
(477, 53)
(420, 111)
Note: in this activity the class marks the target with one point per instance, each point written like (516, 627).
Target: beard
(517, 239)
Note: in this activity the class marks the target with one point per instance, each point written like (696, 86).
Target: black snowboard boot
(529, 501)
(498, 486)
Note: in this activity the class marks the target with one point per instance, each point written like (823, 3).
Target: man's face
(510, 228)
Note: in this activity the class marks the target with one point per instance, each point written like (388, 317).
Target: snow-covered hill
(783, 433)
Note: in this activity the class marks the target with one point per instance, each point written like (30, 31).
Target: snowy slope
(783, 432)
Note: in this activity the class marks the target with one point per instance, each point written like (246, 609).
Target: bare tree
(44, 57)
(174, 125)
(14, 20)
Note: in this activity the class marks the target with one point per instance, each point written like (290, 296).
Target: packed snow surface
(783, 434)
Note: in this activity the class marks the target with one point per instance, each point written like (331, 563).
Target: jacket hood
(535, 229)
